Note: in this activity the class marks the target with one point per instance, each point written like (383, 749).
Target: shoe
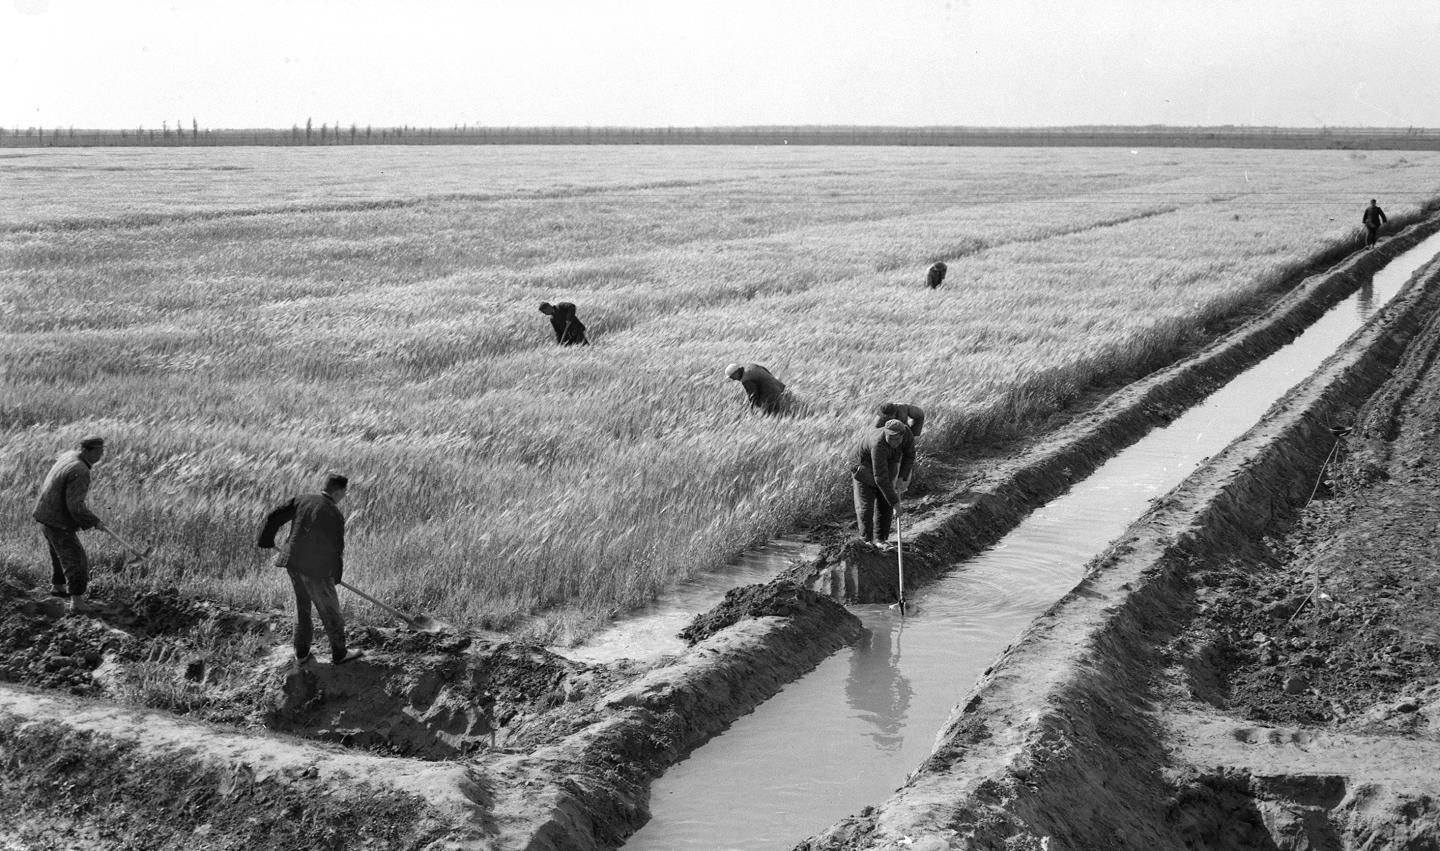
(301, 661)
(78, 606)
(350, 656)
(59, 591)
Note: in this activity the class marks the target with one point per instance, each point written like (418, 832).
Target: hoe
(419, 623)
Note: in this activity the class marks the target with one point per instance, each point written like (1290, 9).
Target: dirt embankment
(442, 741)
(1207, 686)
(960, 516)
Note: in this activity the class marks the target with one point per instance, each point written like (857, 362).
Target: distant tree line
(335, 133)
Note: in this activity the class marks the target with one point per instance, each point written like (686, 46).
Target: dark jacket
(316, 546)
(877, 463)
(910, 415)
(569, 330)
(935, 275)
(763, 389)
(1373, 217)
(62, 495)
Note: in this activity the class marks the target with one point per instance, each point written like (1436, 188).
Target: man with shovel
(61, 512)
(876, 467)
(314, 556)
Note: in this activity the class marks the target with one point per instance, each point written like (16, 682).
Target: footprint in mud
(1302, 739)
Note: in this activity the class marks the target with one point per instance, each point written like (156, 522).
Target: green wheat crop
(236, 321)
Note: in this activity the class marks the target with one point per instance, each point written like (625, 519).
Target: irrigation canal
(847, 734)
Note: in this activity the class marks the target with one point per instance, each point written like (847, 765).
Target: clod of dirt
(779, 598)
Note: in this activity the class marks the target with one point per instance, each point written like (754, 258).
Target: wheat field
(236, 321)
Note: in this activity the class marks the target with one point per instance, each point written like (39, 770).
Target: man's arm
(907, 457)
(917, 422)
(77, 487)
(881, 462)
(1383, 220)
(273, 521)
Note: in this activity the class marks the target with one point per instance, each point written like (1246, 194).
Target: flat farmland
(236, 321)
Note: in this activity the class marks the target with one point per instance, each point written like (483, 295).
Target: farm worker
(61, 511)
(912, 416)
(935, 275)
(876, 467)
(764, 390)
(1372, 218)
(314, 556)
(569, 330)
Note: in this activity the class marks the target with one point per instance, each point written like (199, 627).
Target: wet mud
(1251, 666)
(487, 743)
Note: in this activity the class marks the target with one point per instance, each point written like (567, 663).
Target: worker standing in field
(935, 275)
(1372, 218)
(314, 556)
(764, 390)
(912, 416)
(61, 511)
(569, 330)
(876, 467)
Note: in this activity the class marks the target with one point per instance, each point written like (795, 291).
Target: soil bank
(1242, 670)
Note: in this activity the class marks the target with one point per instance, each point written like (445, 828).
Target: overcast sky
(264, 63)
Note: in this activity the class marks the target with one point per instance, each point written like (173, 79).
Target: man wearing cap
(314, 556)
(876, 466)
(61, 511)
(764, 390)
(912, 416)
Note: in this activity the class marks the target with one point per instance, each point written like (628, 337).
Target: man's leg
(327, 603)
(57, 570)
(885, 515)
(304, 627)
(74, 565)
(864, 502)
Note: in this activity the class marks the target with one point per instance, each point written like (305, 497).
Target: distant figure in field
(876, 467)
(1372, 218)
(764, 390)
(914, 419)
(935, 276)
(314, 556)
(61, 512)
(569, 330)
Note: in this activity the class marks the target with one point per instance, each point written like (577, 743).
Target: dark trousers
(69, 567)
(873, 514)
(1371, 234)
(320, 593)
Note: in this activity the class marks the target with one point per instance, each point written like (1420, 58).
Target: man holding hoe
(314, 556)
(61, 512)
(876, 467)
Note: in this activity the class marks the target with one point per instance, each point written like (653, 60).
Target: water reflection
(1365, 300)
(874, 686)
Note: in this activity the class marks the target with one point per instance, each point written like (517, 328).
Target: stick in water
(900, 556)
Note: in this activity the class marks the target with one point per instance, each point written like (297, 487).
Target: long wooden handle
(391, 609)
(124, 543)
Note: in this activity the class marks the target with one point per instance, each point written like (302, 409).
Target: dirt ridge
(1058, 747)
(977, 517)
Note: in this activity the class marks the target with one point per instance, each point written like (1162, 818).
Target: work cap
(546, 308)
(335, 482)
(92, 442)
(895, 431)
(734, 370)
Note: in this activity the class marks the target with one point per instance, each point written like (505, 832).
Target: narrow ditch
(848, 733)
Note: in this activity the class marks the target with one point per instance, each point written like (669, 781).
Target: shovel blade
(421, 623)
